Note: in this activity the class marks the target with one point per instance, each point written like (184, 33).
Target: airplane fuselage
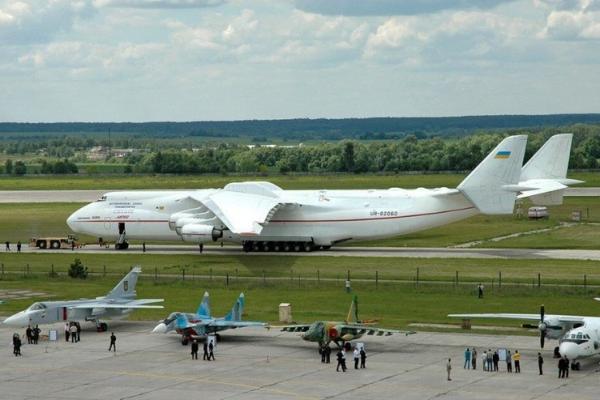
(583, 341)
(323, 217)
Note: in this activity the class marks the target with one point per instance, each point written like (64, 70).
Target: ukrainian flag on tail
(502, 154)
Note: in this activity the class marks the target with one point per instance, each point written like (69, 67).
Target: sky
(182, 60)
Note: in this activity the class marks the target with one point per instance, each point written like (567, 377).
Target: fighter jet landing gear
(100, 326)
(256, 246)
(575, 366)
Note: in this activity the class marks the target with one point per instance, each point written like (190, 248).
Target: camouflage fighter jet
(340, 332)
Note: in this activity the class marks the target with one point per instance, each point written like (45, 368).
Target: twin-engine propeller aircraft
(263, 217)
(118, 303)
(202, 323)
(578, 336)
(340, 332)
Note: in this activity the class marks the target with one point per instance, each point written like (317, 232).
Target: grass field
(22, 221)
(394, 306)
(341, 181)
(291, 268)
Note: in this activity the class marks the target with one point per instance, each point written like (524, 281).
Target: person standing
(143, 247)
(205, 350)
(567, 366)
(322, 353)
(474, 358)
(517, 359)
(36, 334)
(113, 342)
(356, 356)
(339, 356)
(449, 368)
(490, 360)
(29, 334)
(15, 338)
(348, 286)
(480, 291)
(19, 246)
(467, 364)
(78, 329)
(17, 344)
(363, 358)
(540, 363)
(508, 361)
(195, 349)
(7, 245)
(484, 360)
(73, 330)
(561, 368)
(327, 352)
(67, 332)
(211, 353)
(495, 360)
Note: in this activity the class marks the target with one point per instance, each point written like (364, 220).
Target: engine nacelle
(199, 212)
(200, 233)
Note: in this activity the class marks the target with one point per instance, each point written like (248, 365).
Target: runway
(259, 364)
(87, 196)
(411, 252)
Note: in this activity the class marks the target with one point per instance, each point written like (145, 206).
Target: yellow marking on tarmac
(167, 376)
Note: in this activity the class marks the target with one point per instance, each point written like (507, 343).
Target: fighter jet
(117, 303)
(202, 323)
(578, 336)
(340, 332)
(263, 217)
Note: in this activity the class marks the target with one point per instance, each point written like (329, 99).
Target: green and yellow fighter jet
(340, 332)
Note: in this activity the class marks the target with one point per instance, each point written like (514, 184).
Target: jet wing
(292, 328)
(533, 317)
(238, 324)
(370, 330)
(142, 303)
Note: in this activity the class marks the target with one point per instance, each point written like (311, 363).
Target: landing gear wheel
(247, 246)
(325, 247)
(308, 247)
(556, 352)
(42, 244)
(185, 340)
(277, 246)
(55, 244)
(266, 246)
(287, 247)
(575, 366)
(102, 327)
(297, 247)
(256, 246)
(122, 246)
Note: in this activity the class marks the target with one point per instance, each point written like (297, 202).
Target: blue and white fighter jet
(202, 323)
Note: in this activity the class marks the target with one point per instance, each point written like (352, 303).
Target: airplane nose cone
(71, 221)
(160, 328)
(19, 319)
(571, 350)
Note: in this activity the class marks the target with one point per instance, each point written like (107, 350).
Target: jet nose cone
(160, 328)
(19, 319)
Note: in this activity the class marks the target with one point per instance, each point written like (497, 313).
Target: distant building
(100, 153)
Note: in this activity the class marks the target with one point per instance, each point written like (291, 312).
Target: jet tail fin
(204, 307)
(493, 185)
(545, 174)
(237, 310)
(125, 289)
(352, 317)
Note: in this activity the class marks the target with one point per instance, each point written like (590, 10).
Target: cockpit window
(36, 307)
(103, 198)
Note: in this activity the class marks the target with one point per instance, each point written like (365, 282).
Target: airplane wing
(369, 330)
(292, 328)
(532, 317)
(238, 324)
(245, 206)
(141, 303)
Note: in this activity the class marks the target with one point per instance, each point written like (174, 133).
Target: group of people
(490, 360)
(73, 332)
(359, 356)
(208, 350)
(32, 334)
(7, 248)
(563, 367)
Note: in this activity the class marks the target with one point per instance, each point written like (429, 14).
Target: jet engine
(200, 233)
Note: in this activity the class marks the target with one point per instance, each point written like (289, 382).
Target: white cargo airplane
(118, 303)
(263, 217)
(578, 336)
